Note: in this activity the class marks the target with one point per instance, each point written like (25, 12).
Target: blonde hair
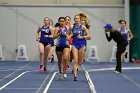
(46, 18)
(83, 15)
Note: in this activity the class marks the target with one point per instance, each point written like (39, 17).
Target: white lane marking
(131, 80)
(12, 80)
(4, 70)
(38, 90)
(20, 88)
(90, 83)
(1, 88)
(138, 85)
(124, 68)
(49, 88)
(70, 88)
(106, 69)
(13, 72)
(48, 85)
(8, 70)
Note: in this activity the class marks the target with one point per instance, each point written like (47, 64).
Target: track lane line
(14, 72)
(48, 85)
(1, 88)
(90, 83)
(38, 90)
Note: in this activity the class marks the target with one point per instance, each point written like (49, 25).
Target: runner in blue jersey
(45, 38)
(62, 46)
(127, 35)
(51, 53)
(85, 22)
(79, 43)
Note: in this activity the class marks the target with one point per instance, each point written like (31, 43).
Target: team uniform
(46, 40)
(61, 44)
(62, 41)
(124, 33)
(84, 34)
(78, 43)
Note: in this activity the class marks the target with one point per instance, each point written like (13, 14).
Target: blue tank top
(124, 33)
(62, 40)
(46, 31)
(76, 32)
(84, 34)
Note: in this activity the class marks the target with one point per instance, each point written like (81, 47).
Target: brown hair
(76, 15)
(120, 21)
(68, 17)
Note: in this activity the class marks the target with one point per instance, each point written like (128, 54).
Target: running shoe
(72, 71)
(45, 69)
(77, 69)
(41, 68)
(52, 60)
(75, 78)
(117, 72)
(68, 68)
(60, 76)
(70, 60)
(65, 76)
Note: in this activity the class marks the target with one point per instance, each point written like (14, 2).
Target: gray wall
(114, 2)
(18, 25)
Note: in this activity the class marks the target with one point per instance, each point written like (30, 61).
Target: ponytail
(57, 24)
